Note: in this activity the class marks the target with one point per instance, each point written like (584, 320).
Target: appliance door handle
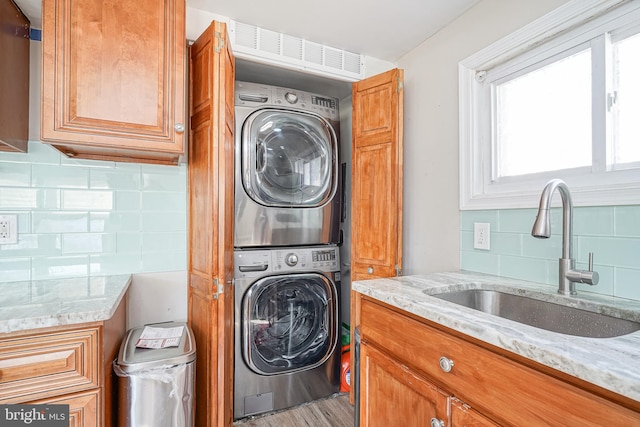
(261, 152)
(252, 268)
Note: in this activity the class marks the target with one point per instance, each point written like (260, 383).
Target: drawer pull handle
(446, 364)
(179, 127)
(435, 422)
(370, 270)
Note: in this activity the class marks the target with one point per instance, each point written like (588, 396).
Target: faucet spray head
(542, 226)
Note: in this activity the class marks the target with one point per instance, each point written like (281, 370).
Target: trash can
(156, 385)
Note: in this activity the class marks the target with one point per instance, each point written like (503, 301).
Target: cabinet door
(392, 395)
(84, 408)
(211, 166)
(14, 78)
(376, 230)
(113, 78)
(464, 416)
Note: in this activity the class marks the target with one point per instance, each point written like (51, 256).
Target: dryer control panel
(257, 95)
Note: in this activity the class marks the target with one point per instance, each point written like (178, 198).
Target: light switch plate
(482, 235)
(8, 229)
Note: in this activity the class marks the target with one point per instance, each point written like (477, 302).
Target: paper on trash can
(160, 337)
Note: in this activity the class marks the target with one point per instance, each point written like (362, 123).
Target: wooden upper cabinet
(113, 79)
(376, 224)
(14, 78)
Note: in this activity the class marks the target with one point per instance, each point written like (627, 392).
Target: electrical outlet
(482, 235)
(8, 229)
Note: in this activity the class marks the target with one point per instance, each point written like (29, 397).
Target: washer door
(289, 158)
(290, 323)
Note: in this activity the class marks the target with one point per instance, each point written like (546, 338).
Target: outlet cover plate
(8, 229)
(482, 236)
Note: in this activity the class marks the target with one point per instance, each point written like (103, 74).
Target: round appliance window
(289, 158)
(290, 323)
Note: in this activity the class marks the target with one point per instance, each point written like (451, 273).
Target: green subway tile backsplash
(85, 217)
(627, 221)
(612, 233)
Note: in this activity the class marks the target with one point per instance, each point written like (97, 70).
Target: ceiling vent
(251, 42)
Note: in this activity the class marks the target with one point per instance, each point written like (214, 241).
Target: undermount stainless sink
(542, 314)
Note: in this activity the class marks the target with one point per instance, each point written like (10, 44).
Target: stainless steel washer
(286, 327)
(287, 168)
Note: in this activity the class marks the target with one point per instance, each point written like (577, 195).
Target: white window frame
(578, 22)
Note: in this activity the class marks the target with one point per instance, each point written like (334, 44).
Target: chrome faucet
(568, 276)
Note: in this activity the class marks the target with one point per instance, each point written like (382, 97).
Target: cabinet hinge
(220, 44)
(219, 288)
(400, 85)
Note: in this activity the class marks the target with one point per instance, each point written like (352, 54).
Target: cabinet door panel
(113, 77)
(391, 395)
(84, 408)
(14, 78)
(212, 68)
(43, 365)
(376, 226)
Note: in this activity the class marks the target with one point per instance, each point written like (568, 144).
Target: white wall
(157, 297)
(431, 211)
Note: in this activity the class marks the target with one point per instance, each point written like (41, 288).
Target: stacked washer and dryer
(287, 264)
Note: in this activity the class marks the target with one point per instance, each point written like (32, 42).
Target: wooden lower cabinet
(396, 396)
(403, 382)
(69, 365)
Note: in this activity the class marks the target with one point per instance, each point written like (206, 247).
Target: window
(560, 98)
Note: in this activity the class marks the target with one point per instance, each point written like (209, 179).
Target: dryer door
(289, 323)
(289, 158)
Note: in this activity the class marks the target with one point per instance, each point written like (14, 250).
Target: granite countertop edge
(20, 311)
(610, 363)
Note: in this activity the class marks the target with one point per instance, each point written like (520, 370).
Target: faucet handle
(590, 277)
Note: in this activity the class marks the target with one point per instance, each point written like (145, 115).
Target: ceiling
(384, 29)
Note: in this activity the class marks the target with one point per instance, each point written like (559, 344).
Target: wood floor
(334, 411)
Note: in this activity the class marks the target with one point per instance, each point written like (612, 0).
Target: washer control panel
(260, 262)
(301, 259)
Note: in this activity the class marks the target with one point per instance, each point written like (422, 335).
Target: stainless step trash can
(156, 386)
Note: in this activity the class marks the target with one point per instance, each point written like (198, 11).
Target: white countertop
(47, 303)
(611, 363)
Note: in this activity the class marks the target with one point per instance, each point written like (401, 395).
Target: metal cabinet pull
(370, 270)
(436, 422)
(446, 364)
(179, 127)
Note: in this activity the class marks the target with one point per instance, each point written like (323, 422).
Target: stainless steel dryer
(287, 169)
(286, 327)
